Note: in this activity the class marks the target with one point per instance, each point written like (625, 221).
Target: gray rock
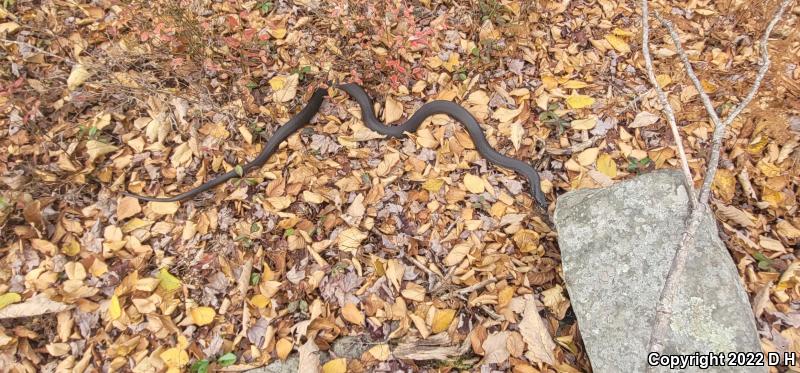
(291, 365)
(617, 244)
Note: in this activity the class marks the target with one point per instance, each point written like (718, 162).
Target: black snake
(305, 115)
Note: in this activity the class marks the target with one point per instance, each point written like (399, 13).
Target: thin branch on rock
(698, 207)
(666, 106)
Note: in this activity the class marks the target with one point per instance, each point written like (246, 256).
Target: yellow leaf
(504, 296)
(77, 76)
(259, 301)
(335, 366)
(584, 124)
(174, 357)
(621, 32)
(442, 320)
(579, 101)
(8, 27)
(97, 149)
(724, 184)
(606, 165)
(164, 208)
(9, 298)
(663, 80)
(283, 347)
(708, 87)
(473, 183)
(768, 169)
(575, 84)
(71, 248)
(452, 62)
(114, 309)
(620, 45)
(433, 185)
(135, 224)
(549, 82)
(278, 33)
(277, 83)
(588, 156)
(351, 313)
(380, 352)
(203, 315)
(168, 281)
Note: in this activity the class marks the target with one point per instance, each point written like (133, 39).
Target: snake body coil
(371, 121)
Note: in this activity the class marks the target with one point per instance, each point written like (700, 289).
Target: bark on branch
(698, 203)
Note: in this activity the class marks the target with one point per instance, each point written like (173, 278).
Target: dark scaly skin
(449, 108)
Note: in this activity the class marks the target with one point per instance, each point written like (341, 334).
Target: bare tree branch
(699, 207)
(666, 106)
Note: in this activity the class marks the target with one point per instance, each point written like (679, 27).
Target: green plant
(199, 366)
(551, 118)
(302, 71)
(266, 7)
(227, 359)
(638, 165)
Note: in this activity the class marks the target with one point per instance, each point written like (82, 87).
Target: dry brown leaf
(457, 254)
(393, 111)
(644, 119)
(535, 333)
(38, 305)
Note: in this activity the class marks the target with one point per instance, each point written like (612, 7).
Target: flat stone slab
(617, 245)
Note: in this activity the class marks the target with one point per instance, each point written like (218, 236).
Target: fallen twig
(698, 203)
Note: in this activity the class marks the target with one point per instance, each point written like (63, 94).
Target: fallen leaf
(380, 352)
(584, 124)
(283, 347)
(442, 320)
(351, 313)
(35, 306)
(643, 119)
(114, 309)
(288, 89)
(127, 207)
(350, 240)
(474, 184)
(168, 282)
(456, 254)
(96, 149)
(579, 101)
(335, 366)
(393, 110)
(9, 298)
(606, 165)
(433, 185)
(308, 357)
(77, 76)
(535, 334)
(588, 156)
(517, 132)
(495, 348)
(164, 208)
(618, 43)
(203, 315)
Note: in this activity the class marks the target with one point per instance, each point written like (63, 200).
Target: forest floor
(418, 245)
